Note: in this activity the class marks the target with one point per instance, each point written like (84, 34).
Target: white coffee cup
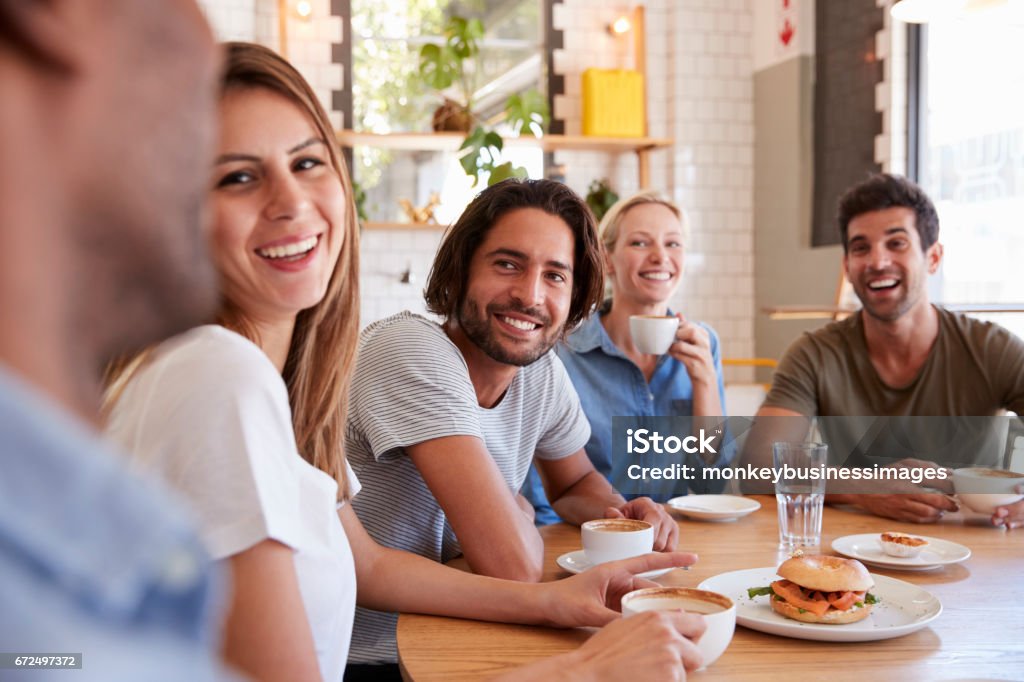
(614, 539)
(983, 489)
(718, 610)
(653, 334)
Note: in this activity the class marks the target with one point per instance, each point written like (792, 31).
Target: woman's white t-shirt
(209, 413)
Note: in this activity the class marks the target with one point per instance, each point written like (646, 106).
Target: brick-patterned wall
(231, 19)
(891, 94)
(700, 93)
(709, 113)
(309, 43)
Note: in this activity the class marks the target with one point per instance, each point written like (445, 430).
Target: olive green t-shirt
(974, 369)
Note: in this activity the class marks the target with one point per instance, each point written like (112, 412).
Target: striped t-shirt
(411, 385)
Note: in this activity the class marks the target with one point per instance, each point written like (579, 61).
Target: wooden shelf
(815, 312)
(549, 143)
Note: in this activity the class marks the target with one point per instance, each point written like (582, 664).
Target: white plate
(576, 562)
(714, 507)
(868, 548)
(903, 608)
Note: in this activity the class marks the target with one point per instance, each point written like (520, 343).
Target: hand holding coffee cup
(651, 646)
(719, 613)
(984, 490)
(692, 347)
(613, 539)
(593, 597)
(666, 530)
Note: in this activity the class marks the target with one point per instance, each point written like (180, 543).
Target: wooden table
(980, 634)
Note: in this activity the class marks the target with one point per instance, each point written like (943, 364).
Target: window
(971, 142)
(388, 96)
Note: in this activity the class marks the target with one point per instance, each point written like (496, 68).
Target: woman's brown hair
(323, 346)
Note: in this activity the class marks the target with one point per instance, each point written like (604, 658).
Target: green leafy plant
(600, 197)
(455, 64)
(359, 198)
(442, 66)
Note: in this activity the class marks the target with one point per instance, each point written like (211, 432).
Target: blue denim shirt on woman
(611, 385)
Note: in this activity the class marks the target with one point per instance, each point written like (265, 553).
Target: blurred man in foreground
(106, 126)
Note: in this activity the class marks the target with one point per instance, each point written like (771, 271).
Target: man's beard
(478, 328)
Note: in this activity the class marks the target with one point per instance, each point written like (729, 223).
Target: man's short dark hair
(884, 190)
(449, 277)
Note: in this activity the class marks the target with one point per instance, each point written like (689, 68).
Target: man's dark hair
(449, 277)
(884, 190)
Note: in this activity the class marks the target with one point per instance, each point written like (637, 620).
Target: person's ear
(934, 256)
(49, 32)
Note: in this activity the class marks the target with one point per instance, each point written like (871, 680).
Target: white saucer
(576, 562)
(902, 608)
(714, 507)
(867, 547)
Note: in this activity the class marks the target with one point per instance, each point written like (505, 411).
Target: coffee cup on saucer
(613, 539)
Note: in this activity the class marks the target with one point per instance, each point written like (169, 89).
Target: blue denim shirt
(94, 560)
(611, 385)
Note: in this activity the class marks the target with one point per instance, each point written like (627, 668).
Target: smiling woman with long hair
(244, 416)
(644, 239)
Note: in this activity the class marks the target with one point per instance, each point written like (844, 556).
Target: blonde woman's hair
(609, 227)
(318, 368)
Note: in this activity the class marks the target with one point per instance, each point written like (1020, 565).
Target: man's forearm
(587, 499)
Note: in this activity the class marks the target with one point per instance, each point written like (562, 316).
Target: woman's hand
(666, 530)
(593, 598)
(692, 347)
(655, 645)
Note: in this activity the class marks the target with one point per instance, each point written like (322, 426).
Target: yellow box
(613, 103)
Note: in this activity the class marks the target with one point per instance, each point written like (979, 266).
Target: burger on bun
(821, 589)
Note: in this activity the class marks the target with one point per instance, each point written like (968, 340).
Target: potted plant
(455, 65)
(452, 63)
(600, 197)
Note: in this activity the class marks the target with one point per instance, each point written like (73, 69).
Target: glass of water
(800, 493)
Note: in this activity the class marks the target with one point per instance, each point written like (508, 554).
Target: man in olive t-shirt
(899, 356)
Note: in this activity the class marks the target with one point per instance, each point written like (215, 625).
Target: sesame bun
(831, 617)
(827, 574)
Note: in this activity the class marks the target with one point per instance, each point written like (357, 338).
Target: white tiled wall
(386, 255)
(232, 19)
(700, 92)
(308, 40)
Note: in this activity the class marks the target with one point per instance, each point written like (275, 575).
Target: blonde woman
(244, 418)
(644, 239)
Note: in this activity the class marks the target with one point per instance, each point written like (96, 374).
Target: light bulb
(620, 26)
